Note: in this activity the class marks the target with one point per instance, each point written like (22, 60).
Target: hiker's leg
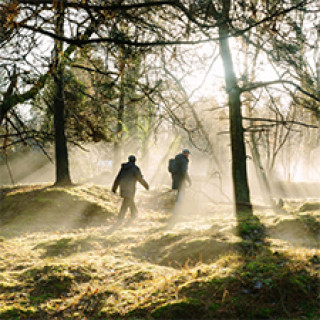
(133, 208)
(182, 189)
(181, 192)
(173, 184)
(124, 208)
(179, 199)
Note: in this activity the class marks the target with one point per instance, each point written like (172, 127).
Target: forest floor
(64, 255)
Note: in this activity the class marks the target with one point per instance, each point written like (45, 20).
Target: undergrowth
(145, 270)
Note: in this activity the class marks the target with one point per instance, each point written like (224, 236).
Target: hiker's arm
(188, 179)
(144, 183)
(141, 180)
(116, 182)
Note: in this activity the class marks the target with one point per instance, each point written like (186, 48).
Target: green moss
(52, 286)
(68, 246)
(186, 309)
(311, 223)
(214, 307)
(140, 276)
(48, 273)
(17, 312)
(310, 206)
(62, 247)
(139, 313)
(250, 226)
(262, 266)
(8, 287)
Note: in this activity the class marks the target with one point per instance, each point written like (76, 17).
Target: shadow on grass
(176, 248)
(67, 246)
(40, 289)
(266, 286)
(262, 288)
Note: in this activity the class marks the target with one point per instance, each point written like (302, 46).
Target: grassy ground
(63, 255)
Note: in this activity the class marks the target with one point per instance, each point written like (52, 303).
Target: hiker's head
(132, 158)
(186, 152)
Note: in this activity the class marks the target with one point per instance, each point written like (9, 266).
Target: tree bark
(238, 151)
(61, 150)
(119, 132)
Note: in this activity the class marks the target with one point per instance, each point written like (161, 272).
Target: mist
(94, 164)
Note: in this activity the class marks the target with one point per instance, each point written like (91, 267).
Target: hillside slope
(65, 256)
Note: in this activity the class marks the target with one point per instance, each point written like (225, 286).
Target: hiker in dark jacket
(180, 176)
(127, 177)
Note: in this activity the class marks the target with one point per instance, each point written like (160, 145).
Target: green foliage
(85, 119)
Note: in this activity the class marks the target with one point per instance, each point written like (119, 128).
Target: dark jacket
(127, 177)
(181, 174)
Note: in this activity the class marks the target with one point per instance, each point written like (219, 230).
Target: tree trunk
(3, 112)
(261, 175)
(239, 168)
(61, 151)
(119, 132)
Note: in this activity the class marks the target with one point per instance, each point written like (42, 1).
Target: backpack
(172, 166)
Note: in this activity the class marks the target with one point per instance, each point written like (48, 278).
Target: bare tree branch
(283, 122)
(257, 85)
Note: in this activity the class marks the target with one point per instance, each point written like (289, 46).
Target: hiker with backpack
(178, 167)
(127, 177)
